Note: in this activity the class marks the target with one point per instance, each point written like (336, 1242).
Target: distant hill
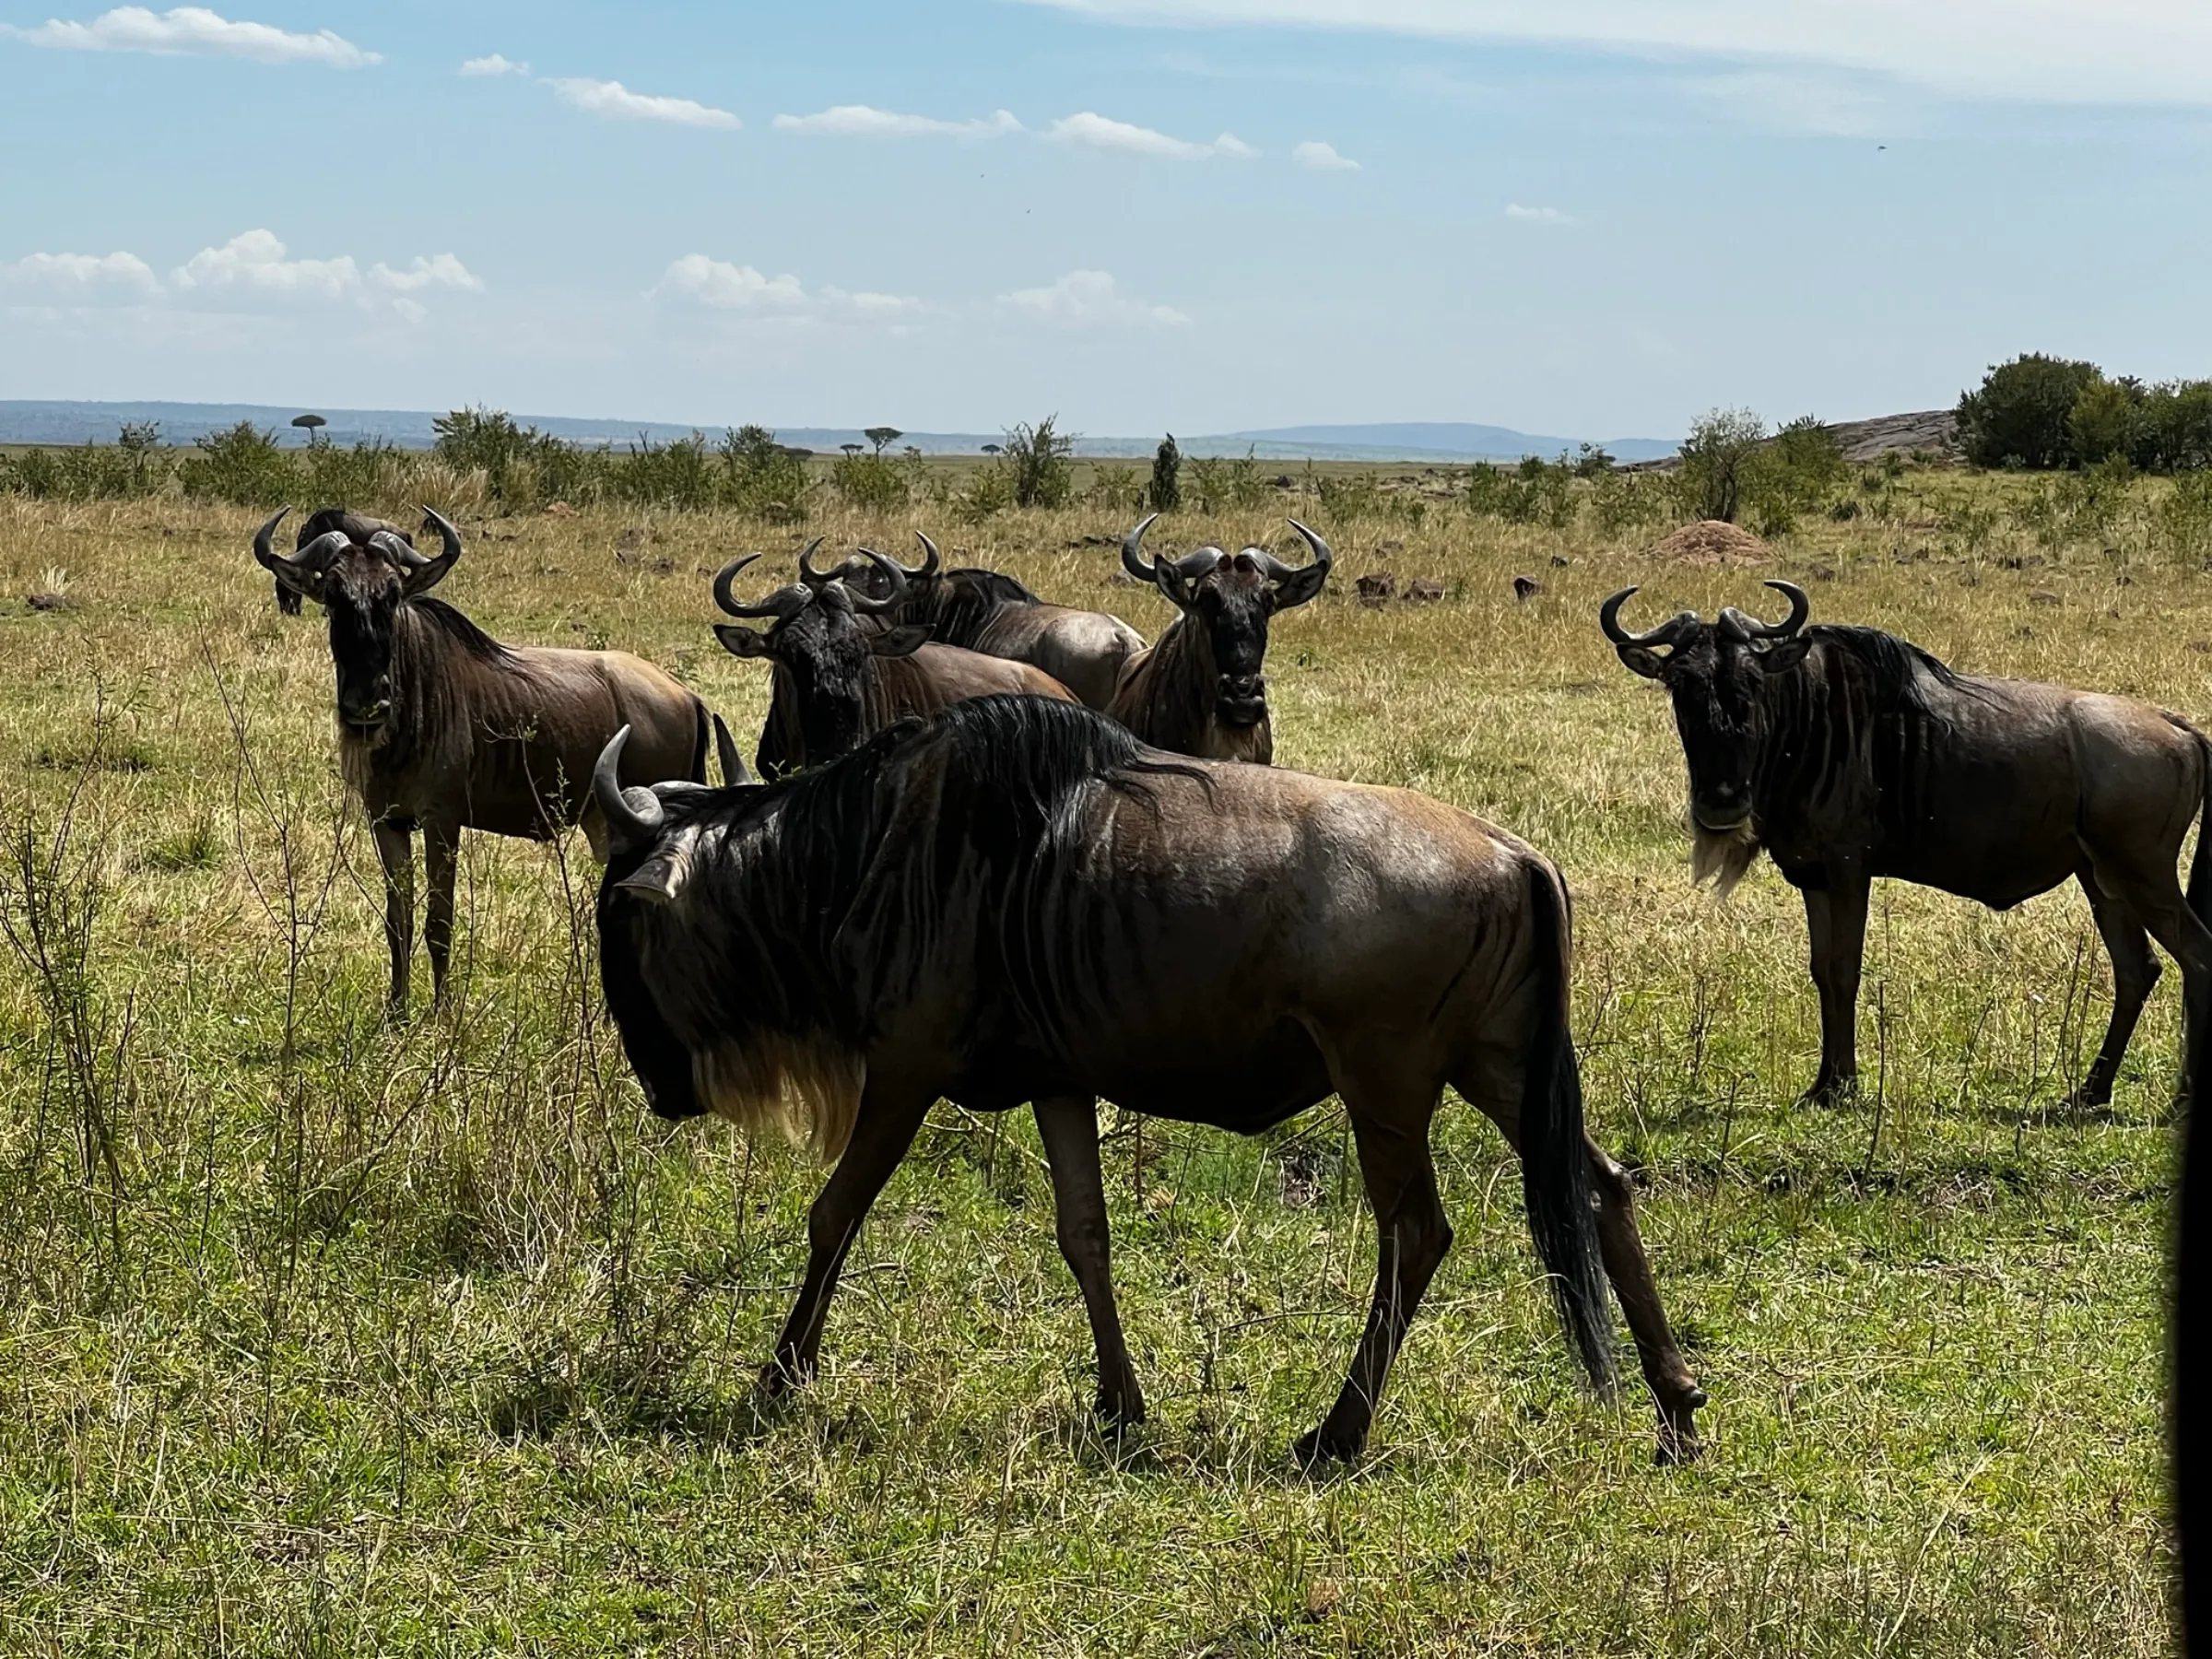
(26, 421)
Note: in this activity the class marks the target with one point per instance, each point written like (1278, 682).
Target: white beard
(1723, 857)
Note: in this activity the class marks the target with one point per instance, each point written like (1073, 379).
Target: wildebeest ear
(903, 641)
(660, 877)
(1642, 659)
(1782, 657)
(741, 641)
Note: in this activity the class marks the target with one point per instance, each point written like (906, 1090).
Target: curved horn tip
(1322, 552)
(806, 568)
(629, 825)
(931, 560)
(893, 572)
(723, 594)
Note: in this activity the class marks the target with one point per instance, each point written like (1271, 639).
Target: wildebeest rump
(1019, 902)
(1847, 753)
(991, 612)
(442, 727)
(840, 676)
(321, 523)
(1200, 690)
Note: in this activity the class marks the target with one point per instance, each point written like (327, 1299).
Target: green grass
(318, 1336)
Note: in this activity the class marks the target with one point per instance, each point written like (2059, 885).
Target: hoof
(1116, 1418)
(1320, 1447)
(1678, 1441)
(777, 1380)
(1833, 1092)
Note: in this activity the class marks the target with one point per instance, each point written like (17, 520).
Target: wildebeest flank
(840, 676)
(1847, 753)
(442, 728)
(1019, 902)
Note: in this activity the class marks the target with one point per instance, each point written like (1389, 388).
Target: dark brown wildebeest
(1199, 692)
(321, 523)
(1847, 753)
(442, 728)
(986, 611)
(840, 678)
(1017, 901)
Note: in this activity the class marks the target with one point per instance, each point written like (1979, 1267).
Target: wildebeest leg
(1664, 1370)
(1411, 1237)
(1069, 1128)
(880, 1138)
(396, 852)
(2134, 975)
(440, 847)
(2157, 900)
(1835, 920)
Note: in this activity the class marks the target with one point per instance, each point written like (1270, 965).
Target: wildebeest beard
(810, 904)
(1722, 856)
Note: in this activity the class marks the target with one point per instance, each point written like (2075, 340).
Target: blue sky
(1593, 218)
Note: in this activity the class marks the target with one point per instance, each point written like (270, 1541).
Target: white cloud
(1323, 156)
(81, 276)
(1086, 298)
(613, 99)
(2056, 50)
(1537, 215)
(195, 30)
(863, 121)
(494, 64)
(438, 270)
(718, 284)
(255, 261)
(1101, 132)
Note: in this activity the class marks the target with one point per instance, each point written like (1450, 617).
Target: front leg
(881, 1135)
(1069, 1128)
(440, 850)
(1835, 920)
(396, 852)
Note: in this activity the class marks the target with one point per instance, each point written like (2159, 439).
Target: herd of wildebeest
(1005, 853)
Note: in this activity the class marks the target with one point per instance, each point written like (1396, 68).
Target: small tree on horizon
(1164, 493)
(882, 437)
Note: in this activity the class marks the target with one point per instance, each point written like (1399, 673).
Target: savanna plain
(319, 1334)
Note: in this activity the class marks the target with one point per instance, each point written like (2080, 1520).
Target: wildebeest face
(820, 641)
(1233, 597)
(1714, 673)
(361, 584)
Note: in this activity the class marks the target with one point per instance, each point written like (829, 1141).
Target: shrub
(1792, 474)
(990, 491)
(1117, 489)
(1623, 501)
(2018, 416)
(2184, 517)
(2106, 420)
(677, 474)
(1224, 482)
(1038, 458)
(869, 482)
(1715, 458)
(1164, 493)
(241, 466)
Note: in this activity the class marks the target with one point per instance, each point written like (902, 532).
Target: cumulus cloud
(1090, 298)
(617, 102)
(256, 265)
(1323, 157)
(1101, 132)
(195, 30)
(494, 64)
(865, 121)
(2059, 50)
(1537, 215)
(81, 278)
(719, 285)
(436, 270)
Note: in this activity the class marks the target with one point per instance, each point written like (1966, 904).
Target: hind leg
(1390, 1124)
(2134, 975)
(1069, 1128)
(2157, 899)
(1665, 1372)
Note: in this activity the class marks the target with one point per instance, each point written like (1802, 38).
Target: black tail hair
(1555, 1162)
(2200, 905)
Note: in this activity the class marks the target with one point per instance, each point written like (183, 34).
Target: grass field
(320, 1336)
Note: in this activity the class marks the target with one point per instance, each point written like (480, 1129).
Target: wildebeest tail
(2200, 867)
(1555, 1163)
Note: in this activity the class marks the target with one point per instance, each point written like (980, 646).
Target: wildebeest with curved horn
(841, 677)
(1200, 690)
(357, 527)
(991, 612)
(1018, 901)
(1847, 753)
(442, 728)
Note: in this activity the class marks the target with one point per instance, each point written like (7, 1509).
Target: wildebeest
(443, 728)
(1199, 691)
(1018, 901)
(1847, 753)
(321, 523)
(990, 612)
(839, 677)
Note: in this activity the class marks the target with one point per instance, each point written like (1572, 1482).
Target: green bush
(869, 482)
(1164, 493)
(2018, 416)
(1221, 482)
(1715, 460)
(990, 491)
(1792, 474)
(1038, 460)
(241, 466)
(2184, 517)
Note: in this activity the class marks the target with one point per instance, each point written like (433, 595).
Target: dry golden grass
(320, 1336)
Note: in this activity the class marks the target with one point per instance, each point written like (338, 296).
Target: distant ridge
(31, 421)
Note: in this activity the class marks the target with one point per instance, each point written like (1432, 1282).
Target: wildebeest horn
(928, 566)
(783, 602)
(1668, 632)
(633, 816)
(263, 548)
(1276, 569)
(1133, 560)
(732, 764)
(303, 567)
(808, 573)
(420, 571)
(893, 572)
(1748, 628)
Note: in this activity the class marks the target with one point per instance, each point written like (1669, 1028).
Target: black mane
(459, 629)
(961, 603)
(1894, 667)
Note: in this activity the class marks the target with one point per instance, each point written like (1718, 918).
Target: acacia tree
(882, 437)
